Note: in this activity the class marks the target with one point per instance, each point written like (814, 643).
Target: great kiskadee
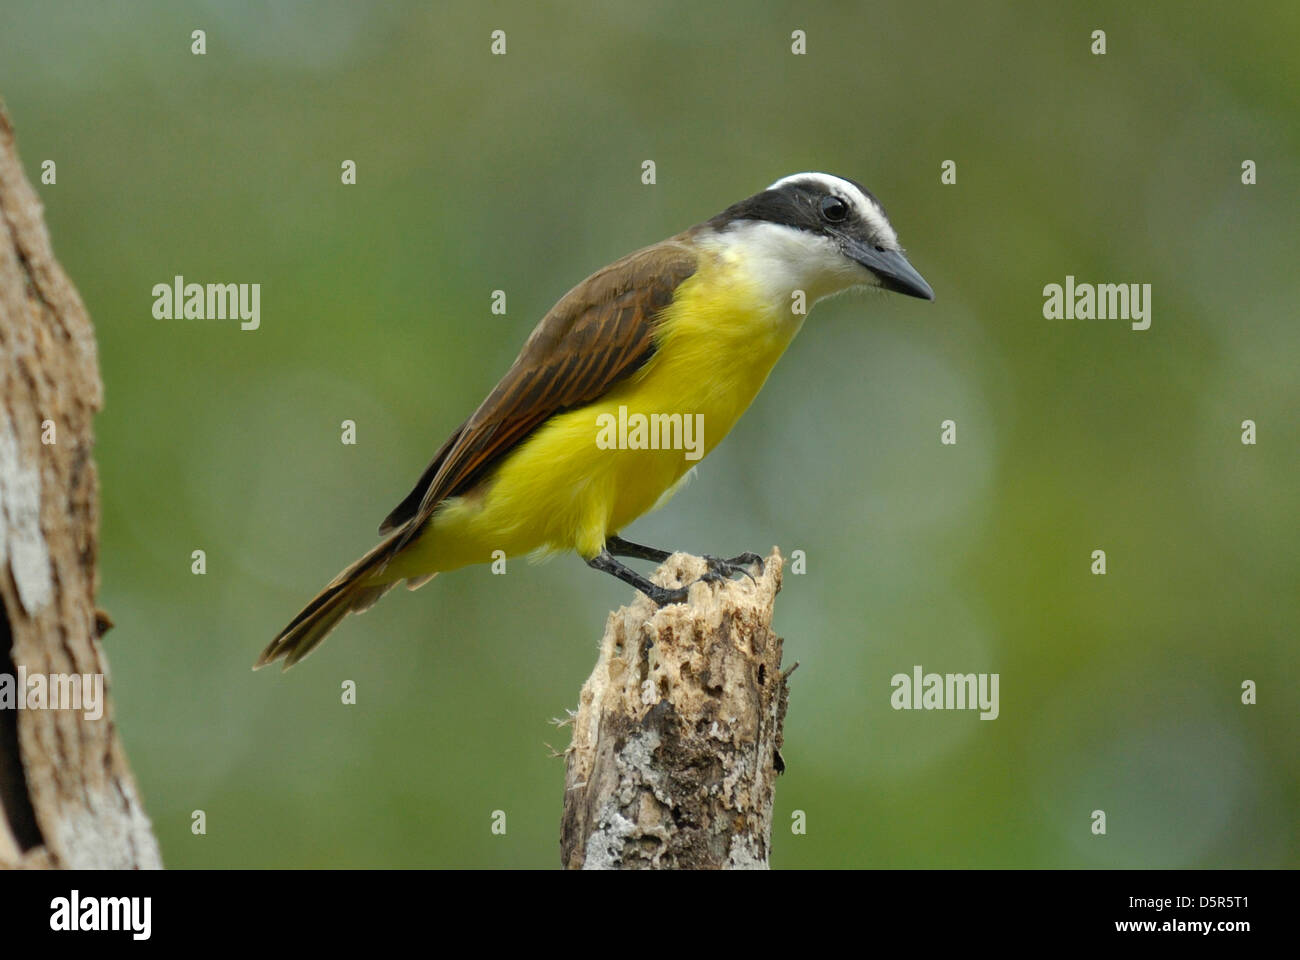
(684, 331)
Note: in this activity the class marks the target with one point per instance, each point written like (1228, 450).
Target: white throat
(779, 260)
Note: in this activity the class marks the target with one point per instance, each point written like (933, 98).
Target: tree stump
(677, 738)
(67, 796)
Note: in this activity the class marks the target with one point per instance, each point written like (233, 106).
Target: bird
(685, 331)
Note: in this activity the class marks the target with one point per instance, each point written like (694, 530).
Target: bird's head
(818, 233)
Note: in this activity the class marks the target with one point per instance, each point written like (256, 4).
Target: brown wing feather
(600, 332)
(411, 504)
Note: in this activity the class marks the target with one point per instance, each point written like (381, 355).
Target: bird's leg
(619, 547)
(662, 596)
(719, 569)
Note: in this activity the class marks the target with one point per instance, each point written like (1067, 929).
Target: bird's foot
(718, 571)
(721, 570)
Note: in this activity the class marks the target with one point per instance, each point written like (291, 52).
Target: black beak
(891, 267)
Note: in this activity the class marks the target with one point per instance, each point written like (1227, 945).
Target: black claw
(747, 560)
(720, 570)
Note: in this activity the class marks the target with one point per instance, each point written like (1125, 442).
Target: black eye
(835, 210)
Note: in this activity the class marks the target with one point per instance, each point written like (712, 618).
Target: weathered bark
(67, 794)
(677, 739)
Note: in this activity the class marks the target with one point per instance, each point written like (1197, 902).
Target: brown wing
(600, 332)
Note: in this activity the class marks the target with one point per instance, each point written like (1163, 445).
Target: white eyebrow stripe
(869, 210)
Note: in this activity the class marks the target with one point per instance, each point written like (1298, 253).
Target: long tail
(349, 592)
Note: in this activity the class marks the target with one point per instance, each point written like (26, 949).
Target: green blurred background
(522, 172)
